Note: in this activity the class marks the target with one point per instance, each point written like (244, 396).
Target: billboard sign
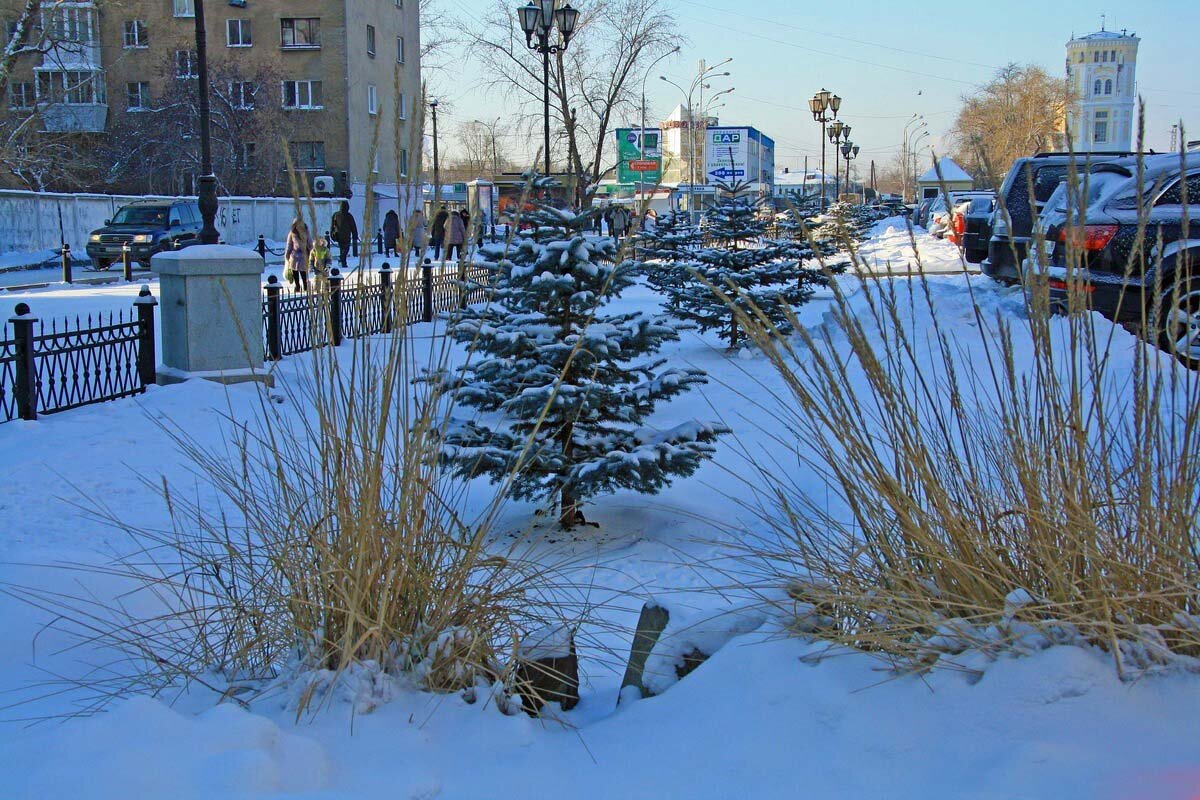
(639, 154)
(726, 155)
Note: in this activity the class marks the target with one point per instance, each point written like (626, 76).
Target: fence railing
(295, 322)
(47, 369)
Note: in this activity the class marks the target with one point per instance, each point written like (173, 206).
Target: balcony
(74, 117)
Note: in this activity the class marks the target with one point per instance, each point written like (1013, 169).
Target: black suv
(149, 226)
(1012, 223)
(1135, 273)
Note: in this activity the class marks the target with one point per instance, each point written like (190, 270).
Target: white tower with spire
(1102, 76)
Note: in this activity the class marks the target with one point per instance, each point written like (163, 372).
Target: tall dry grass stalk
(323, 540)
(993, 482)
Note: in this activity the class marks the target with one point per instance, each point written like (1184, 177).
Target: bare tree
(481, 151)
(592, 83)
(157, 150)
(1018, 113)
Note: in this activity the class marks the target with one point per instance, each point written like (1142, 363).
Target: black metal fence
(47, 369)
(295, 322)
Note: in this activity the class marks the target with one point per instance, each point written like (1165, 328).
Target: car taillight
(1088, 237)
(1061, 285)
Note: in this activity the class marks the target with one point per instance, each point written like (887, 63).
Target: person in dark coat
(343, 230)
(437, 233)
(391, 233)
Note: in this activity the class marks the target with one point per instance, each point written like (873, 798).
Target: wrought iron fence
(45, 369)
(295, 322)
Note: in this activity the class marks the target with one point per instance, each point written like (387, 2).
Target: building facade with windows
(1102, 77)
(335, 73)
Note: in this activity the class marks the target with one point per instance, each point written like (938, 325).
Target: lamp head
(567, 19)
(546, 20)
(835, 130)
(855, 151)
(528, 16)
(846, 132)
(814, 105)
(835, 103)
(825, 97)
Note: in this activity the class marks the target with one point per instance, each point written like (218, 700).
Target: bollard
(66, 263)
(354, 245)
(25, 388)
(462, 284)
(379, 241)
(385, 296)
(274, 339)
(126, 263)
(427, 292)
(146, 362)
(335, 307)
(261, 248)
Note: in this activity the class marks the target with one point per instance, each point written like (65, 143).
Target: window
(138, 95)
(375, 162)
(403, 162)
(399, 3)
(186, 64)
(1096, 87)
(238, 33)
(1174, 195)
(1100, 128)
(300, 32)
(402, 107)
(302, 94)
(69, 24)
(21, 95)
(1096, 57)
(1108, 86)
(72, 88)
(308, 155)
(241, 94)
(372, 100)
(135, 33)
(249, 155)
(399, 49)
(371, 41)
(184, 8)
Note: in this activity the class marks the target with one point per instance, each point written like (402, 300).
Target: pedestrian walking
(295, 255)
(391, 233)
(343, 230)
(456, 237)
(419, 234)
(319, 262)
(620, 221)
(437, 234)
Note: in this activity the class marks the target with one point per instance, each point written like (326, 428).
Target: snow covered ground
(891, 250)
(762, 719)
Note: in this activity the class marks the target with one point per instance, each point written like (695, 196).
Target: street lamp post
(849, 152)
(538, 19)
(839, 132)
(642, 130)
(914, 149)
(705, 73)
(437, 175)
(904, 152)
(206, 192)
(824, 106)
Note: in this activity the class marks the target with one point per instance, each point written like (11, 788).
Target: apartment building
(332, 73)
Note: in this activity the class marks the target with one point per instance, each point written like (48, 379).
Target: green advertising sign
(639, 153)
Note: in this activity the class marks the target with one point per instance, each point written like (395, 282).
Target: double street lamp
(538, 21)
(824, 106)
(839, 135)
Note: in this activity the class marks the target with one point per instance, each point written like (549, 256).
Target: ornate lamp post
(437, 175)
(839, 132)
(207, 190)
(824, 106)
(538, 19)
(849, 152)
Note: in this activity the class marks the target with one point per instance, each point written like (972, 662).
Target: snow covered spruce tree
(761, 277)
(566, 389)
(666, 251)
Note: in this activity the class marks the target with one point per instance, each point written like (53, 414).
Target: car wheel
(1179, 312)
(100, 264)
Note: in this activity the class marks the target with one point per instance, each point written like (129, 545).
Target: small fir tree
(672, 242)
(761, 277)
(566, 389)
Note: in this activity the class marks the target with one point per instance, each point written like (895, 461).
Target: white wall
(44, 220)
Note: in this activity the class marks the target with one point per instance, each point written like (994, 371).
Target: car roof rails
(1088, 153)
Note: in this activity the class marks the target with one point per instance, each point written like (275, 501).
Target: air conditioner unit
(323, 184)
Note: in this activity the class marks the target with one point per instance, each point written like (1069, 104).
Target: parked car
(1016, 209)
(921, 215)
(1136, 263)
(149, 227)
(941, 213)
(977, 227)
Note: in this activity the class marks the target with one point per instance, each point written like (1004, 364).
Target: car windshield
(141, 215)
(981, 205)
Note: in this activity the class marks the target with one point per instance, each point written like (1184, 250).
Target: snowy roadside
(762, 718)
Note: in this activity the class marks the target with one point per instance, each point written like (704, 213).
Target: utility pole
(1174, 137)
(437, 175)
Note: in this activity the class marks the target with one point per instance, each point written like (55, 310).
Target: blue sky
(889, 60)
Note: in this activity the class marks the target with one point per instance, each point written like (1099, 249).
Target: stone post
(211, 314)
